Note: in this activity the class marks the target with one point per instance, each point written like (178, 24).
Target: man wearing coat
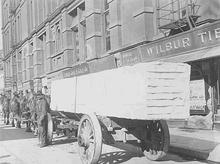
(16, 110)
(42, 119)
(6, 108)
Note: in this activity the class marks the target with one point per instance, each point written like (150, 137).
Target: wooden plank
(165, 75)
(162, 102)
(159, 90)
(165, 96)
(165, 82)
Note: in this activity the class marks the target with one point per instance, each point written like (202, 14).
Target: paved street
(19, 147)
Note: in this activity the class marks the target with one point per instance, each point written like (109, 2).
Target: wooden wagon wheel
(157, 140)
(50, 128)
(89, 139)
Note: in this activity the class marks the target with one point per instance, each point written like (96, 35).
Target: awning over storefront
(195, 55)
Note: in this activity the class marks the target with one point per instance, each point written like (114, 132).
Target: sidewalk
(7, 157)
(202, 144)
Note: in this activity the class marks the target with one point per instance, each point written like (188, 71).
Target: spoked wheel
(50, 128)
(157, 140)
(89, 139)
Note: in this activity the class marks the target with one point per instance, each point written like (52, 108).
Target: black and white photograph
(110, 82)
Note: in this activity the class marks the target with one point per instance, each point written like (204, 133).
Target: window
(14, 67)
(79, 32)
(83, 25)
(53, 40)
(57, 38)
(31, 15)
(19, 60)
(13, 33)
(18, 29)
(24, 64)
(42, 58)
(31, 62)
(57, 62)
(107, 30)
(76, 41)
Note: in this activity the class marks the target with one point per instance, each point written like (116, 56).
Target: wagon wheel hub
(86, 139)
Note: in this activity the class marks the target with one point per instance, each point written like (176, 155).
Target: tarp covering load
(155, 90)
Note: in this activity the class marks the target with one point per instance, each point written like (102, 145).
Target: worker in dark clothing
(23, 101)
(15, 110)
(42, 119)
(25, 110)
(33, 111)
(6, 109)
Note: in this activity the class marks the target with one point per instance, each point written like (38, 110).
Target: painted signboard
(76, 70)
(197, 95)
(171, 46)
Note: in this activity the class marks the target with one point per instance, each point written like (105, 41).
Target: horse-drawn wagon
(128, 103)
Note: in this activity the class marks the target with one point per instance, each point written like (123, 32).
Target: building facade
(45, 40)
(1, 72)
(50, 39)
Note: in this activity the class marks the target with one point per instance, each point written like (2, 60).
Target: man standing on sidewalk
(42, 119)
(15, 110)
(6, 109)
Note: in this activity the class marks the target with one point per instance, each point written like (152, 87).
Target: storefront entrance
(204, 94)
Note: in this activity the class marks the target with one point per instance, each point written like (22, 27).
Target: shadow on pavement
(116, 157)
(4, 156)
(173, 158)
(64, 141)
(11, 133)
(123, 156)
(131, 150)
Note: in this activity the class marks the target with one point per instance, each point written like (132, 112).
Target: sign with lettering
(131, 57)
(171, 46)
(197, 95)
(76, 70)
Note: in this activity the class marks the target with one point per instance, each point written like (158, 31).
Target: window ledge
(94, 11)
(95, 34)
(143, 11)
(56, 54)
(115, 24)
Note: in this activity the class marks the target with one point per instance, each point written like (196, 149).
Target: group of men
(32, 107)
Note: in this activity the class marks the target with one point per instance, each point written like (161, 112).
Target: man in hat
(23, 106)
(46, 93)
(6, 108)
(32, 105)
(42, 119)
(16, 110)
(1, 103)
